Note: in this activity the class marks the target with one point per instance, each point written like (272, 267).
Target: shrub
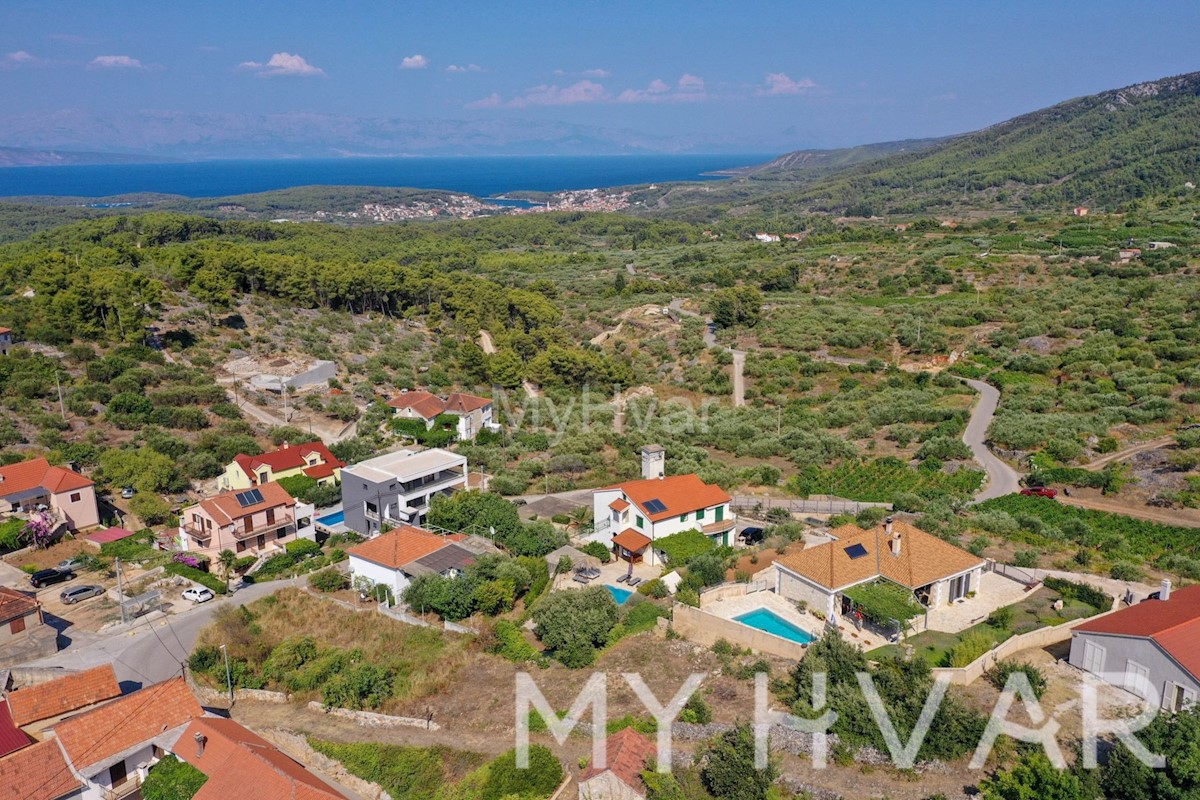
(1001, 618)
(1026, 558)
(1125, 571)
(328, 580)
(573, 624)
(968, 648)
(542, 777)
(709, 569)
(998, 675)
(302, 548)
(680, 548)
(654, 588)
(172, 779)
(597, 550)
(193, 574)
(696, 710)
(1084, 593)
(361, 686)
(511, 643)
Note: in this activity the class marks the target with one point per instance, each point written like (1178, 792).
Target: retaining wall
(704, 628)
(373, 720)
(297, 746)
(728, 590)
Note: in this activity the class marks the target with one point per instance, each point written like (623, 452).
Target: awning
(36, 493)
(619, 504)
(631, 540)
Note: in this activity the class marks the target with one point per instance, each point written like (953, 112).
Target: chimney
(653, 461)
(286, 444)
(893, 538)
(1164, 590)
(200, 740)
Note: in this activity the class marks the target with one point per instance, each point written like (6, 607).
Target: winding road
(1001, 478)
(710, 340)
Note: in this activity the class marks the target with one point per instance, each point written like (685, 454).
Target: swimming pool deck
(731, 607)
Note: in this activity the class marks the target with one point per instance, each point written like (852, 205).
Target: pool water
(619, 594)
(329, 520)
(770, 622)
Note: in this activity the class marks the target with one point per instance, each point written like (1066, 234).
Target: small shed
(107, 535)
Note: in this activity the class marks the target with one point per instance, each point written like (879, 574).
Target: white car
(198, 594)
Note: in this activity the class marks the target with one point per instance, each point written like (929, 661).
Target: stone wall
(373, 720)
(704, 628)
(297, 746)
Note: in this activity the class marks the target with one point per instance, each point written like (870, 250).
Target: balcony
(282, 520)
(724, 525)
(433, 483)
(128, 788)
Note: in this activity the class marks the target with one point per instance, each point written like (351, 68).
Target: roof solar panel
(249, 498)
(856, 551)
(655, 506)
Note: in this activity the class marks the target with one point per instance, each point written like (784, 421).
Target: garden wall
(728, 590)
(704, 628)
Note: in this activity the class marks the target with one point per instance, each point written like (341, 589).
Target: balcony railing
(281, 520)
(129, 787)
(720, 527)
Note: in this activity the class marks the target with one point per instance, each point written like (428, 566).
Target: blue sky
(763, 75)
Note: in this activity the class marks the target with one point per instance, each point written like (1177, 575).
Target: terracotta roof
(224, 508)
(64, 695)
(619, 504)
(398, 547)
(11, 737)
(39, 473)
(460, 403)
(5, 330)
(108, 535)
(15, 604)
(37, 772)
(235, 759)
(287, 457)
(424, 404)
(1174, 624)
(114, 727)
(681, 494)
(627, 753)
(631, 539)
(923, 559)
(320, 471)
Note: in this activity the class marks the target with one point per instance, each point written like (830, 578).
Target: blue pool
(619, 594)
(329, 520)
(770, 622)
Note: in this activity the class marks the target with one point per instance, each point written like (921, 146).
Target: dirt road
(489, 347)
(710, 340)
(1132, 450)
(1165, 516)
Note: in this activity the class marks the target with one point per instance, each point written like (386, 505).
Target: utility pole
(61, 408)
(228, 675)
(120, 588)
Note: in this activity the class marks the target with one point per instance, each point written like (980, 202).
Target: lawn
(1032, 613)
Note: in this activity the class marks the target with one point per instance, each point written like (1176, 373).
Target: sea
(481, 176)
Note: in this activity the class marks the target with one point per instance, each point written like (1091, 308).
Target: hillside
(1102, 150)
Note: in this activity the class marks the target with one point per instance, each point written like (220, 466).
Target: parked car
(752, 535)
(73, 564)
(198, 594)
(1039, 491)
(77, 593)
(127, 492)
(46, 577)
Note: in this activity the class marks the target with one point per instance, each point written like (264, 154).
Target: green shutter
(700, 515)
(641, 523)
(683, 517)
(720, 513)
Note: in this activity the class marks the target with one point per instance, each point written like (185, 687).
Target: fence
(755, 506)
(725, 591)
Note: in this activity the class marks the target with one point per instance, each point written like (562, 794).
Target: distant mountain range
(23, 157)
(1102, 150)
(170, 135)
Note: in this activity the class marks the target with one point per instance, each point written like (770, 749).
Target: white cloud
(284, 65)
(689, 89)
(777, 84)
(548, 95)
(464, 68)
(19, 57)
(416, 61)
(115, 62)
(595, 73)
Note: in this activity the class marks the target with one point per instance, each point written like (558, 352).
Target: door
(1093, 658)
(1137, 678)
(958, 587)
(720, 513)
(117, 774)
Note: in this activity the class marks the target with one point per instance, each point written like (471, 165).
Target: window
(641, 523)
(270, 516)
(75, 497)
(720, 513)
(699, 515)
(17, 625)
(683, 517)
(264, 477)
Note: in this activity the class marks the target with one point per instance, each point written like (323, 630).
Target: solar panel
(655, 506)
(249, 498)
(856, 551)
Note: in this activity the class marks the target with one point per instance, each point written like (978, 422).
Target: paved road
(152, 650)
(1002, 479)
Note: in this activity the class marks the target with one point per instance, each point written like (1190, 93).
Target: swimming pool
(619, 594)
(329, 520)
(770, 622)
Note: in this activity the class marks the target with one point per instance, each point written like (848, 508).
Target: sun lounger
(592, 572)
(581, 579)
(622, 579)
(634, 581)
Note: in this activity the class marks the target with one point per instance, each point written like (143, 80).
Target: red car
(1039, 491)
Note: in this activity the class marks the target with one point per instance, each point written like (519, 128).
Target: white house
(630, 516)
(936, 571)
(397, 488)
(474, 413)
(394, 558)
(1152, 648)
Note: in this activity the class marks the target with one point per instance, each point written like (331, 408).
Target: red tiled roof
(287, 457)
(38, 472)
(627, 754)
(1174, 624)
(631, 540)
(108, 535)
(37, 772)
(681, 494)
(15, 604)
(5, 330)
(114, 727)
(11, 737)
(619, 504)
(398, 547)
(63, 695)
(224, 508)
(238, 761)
(320, 471)
(460, 403)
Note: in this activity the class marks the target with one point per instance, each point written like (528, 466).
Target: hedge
(193, 574)
(1073, 590)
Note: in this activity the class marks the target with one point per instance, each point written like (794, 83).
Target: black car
(751, 535)
(45, 577)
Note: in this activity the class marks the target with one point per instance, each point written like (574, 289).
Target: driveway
(1001, 478)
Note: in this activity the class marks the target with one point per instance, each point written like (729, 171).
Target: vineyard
(1116, 532)
(882, 479)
